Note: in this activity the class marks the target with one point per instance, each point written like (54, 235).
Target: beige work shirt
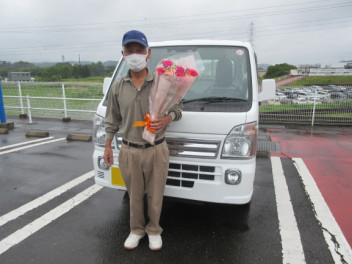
(127, 104)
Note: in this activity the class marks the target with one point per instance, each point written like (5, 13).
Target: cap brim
(134, 40)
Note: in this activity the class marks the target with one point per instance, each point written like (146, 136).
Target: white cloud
(292, 32)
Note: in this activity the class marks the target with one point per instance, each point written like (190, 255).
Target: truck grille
(100, 174)
(194, 148)
(185, 175)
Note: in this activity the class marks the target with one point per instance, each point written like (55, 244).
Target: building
(336, 69)
(19, 77)
(330, 72)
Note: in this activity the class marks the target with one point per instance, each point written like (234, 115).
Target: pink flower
(167, 63)
(160, 71)
(180, 71)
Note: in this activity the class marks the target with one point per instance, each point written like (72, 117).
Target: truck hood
(207, 123)
(218, 123)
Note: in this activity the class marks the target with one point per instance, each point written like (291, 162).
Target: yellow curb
(10, 125)
(32, 133)
(4, 130)
(77, 137)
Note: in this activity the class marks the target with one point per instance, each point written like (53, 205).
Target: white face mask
(136, 62)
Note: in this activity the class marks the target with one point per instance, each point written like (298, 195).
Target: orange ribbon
(146, 123)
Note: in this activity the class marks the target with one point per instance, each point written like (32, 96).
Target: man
(143, 166)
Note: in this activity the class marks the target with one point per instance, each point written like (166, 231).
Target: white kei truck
(213, 147)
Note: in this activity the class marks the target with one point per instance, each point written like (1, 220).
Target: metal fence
(52, 100)
(80, 100)
(326, 107)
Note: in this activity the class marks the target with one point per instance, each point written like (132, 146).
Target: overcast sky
(295, 32)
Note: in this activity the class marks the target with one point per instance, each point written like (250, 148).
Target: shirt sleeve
(176, 111)
(113, 116)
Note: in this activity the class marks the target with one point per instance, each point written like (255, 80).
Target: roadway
(51, 211)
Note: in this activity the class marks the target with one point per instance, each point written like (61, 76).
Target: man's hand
(108, 155)
(160, 123)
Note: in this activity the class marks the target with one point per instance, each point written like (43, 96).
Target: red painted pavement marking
(328, 156)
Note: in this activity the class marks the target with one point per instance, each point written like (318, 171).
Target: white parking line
(30, 146)
(44, 220)
(331, 229)
(44, 198)
(25, 143)
(292, 249)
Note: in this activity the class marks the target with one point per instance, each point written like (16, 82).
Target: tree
(97, 69)
(109, 70)
(85, 71)
(79, 71)
(65, 69)
(278, 70)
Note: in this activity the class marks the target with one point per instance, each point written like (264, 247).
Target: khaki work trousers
(145, 171)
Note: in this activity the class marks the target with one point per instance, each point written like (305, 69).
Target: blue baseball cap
(135, 36)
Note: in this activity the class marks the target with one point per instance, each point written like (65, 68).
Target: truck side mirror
(106, 84)
(268, 90)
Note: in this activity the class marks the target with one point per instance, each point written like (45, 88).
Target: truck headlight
(241, 142)
(99, 134)
(101, 164)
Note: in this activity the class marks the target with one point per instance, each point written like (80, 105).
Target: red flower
(167, 63)
(180, 71)
(160, 70)
(192, 72)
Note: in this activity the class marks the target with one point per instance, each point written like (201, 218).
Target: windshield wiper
(214, 99)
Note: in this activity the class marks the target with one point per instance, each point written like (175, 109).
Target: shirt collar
(149, 78)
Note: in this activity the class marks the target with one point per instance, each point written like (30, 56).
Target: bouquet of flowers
(172, 81)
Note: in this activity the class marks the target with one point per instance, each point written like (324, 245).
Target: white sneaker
(132, 241)
(155, 242)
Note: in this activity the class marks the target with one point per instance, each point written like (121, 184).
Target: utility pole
(251, 33)
(63, 58)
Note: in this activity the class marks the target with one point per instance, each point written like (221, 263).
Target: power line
(191, 36)
(229, 33)
(129, 23)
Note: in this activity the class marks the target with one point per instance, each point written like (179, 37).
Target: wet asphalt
(94, 231)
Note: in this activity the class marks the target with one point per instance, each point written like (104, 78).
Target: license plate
(116, 177)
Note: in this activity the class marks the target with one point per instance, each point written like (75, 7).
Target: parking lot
(51, 211)
(312, 94)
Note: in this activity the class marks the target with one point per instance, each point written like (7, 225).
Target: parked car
(338, 95)
(317, 87)
(300, 100)
(290, 95)
(324, 95)
(335, 88)
(338, 89)
(330, 87)
(302, 95)
(349, 94)
(274, 101)
(280, 96)
(312, 96)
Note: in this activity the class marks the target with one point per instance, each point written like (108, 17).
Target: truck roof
(200, 42)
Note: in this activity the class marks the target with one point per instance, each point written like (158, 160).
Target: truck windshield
(224, 82)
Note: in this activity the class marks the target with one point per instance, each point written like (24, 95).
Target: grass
(72, 90)
(335, 115)
(323, 80)
(94, 79)
(284, 107)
